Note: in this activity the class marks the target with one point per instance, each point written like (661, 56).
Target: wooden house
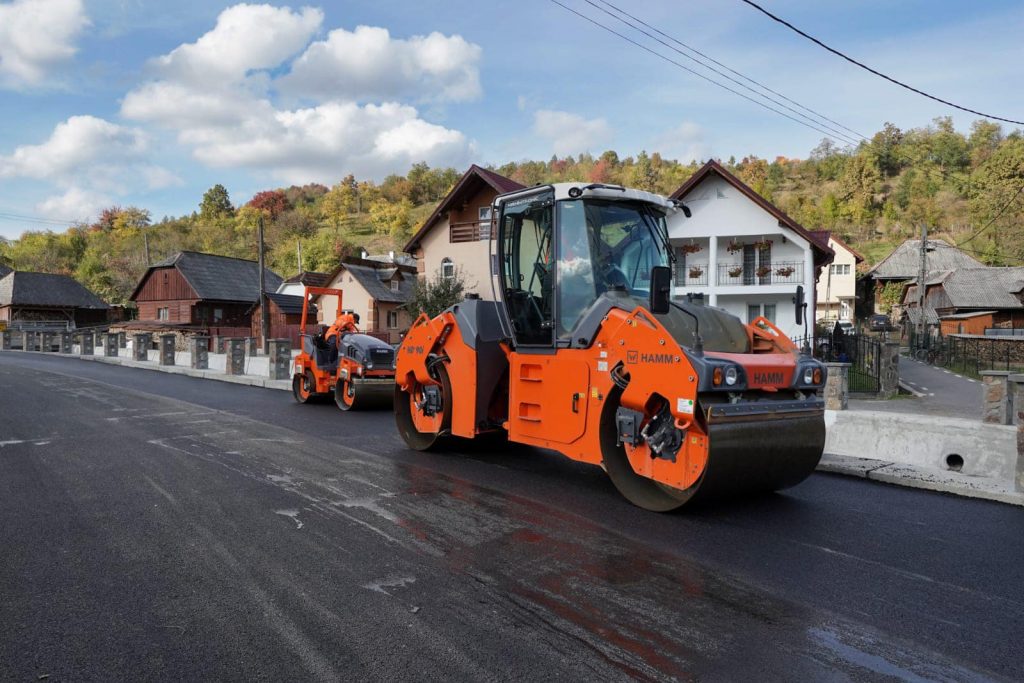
(201, 290)
(284, 312)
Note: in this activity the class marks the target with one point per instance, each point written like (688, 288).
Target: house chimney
(391, 255)
(364, 254)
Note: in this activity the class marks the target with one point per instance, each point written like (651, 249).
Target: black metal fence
(970, 355)
(863, 353)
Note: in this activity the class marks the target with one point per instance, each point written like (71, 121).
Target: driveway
(943, 393)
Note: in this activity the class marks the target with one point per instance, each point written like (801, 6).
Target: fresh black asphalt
(159, 527)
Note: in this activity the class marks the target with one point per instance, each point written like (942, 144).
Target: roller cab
(584, 353)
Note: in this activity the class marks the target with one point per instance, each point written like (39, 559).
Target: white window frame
(392, 320)
(447, 268)
(163, 313)
(395, 285)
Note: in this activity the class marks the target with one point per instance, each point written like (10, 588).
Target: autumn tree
(272, 202)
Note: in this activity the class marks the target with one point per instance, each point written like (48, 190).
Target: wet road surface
(158, 526)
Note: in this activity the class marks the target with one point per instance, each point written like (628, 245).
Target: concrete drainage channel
(963, 457)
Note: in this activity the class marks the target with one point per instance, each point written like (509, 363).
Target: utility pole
(921, 275)
(145, 242)
(298, 251)
(264, 320)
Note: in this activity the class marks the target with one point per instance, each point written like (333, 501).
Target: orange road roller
(586, 352)
(356, 369)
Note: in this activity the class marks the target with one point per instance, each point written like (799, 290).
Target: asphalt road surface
(155, 526)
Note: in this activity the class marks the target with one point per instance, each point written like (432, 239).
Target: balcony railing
(779, 273)
(469, 231)
(692, 277)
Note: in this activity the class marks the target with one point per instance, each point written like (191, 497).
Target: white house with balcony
(742, 252)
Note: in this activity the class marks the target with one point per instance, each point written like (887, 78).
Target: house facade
(36, 300)
(284, 317)
(837, 287)
(741, 252)
(457, 234)
(376, 291)
(195, 289)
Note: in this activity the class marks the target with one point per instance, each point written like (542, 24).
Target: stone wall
(837, 386)
(996, 397)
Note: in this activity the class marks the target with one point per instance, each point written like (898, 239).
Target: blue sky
(134, 102)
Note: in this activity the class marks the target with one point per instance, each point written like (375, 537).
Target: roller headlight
(809, 376)
(731, 375)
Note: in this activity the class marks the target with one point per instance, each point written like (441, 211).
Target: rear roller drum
(424, 415)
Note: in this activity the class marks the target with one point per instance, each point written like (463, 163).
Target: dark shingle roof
(984, 287)
(23, 288)
(289, 303)
(309, 278)
(4, 270)
(377, 282)
(218, 278)
(904, 262)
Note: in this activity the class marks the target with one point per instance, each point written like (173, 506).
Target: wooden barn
(40, 300)
(202, 290)
(285, 317)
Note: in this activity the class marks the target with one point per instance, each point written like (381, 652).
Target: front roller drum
(745, 458)
(420, 430)
(349, 395)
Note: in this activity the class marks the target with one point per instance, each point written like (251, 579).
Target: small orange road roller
(356, 369)
(585, 351)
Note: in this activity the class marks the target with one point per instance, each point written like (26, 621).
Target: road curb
(889, 472)
(248, 380)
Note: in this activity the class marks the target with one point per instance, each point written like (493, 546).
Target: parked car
(879, 323)
(847, 327)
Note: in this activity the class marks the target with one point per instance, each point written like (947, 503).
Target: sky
(150, 103)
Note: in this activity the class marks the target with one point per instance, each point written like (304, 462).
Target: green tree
(434, 294)
(216, 203)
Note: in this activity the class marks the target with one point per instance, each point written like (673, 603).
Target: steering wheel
(613, 276)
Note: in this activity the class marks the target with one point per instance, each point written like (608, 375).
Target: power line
(729, 69)
(688, 69)
(992, 220)
(5, 215)
(874, 71)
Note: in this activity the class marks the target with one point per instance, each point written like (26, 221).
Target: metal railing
(780, 273)
(695, 276)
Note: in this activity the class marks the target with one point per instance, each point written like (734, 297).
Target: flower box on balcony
(763, 271)
(696, 272)
(690, 248)
(785, 271)
(762, 244)
(736, 272)
(734, 246)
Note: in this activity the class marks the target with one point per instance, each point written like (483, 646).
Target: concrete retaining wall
(926, 441)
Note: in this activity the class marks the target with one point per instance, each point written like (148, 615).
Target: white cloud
(75, 144)
(685, 142)
(90, 159)
(571, 133)
(35, 35)
(245, 38)
(368, 64)
(232, 120)
(75, 204)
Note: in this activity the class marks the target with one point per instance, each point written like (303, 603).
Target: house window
(680, 267)
(754, 311)
(394, 285)
(163, 314)
(447, 268)
(484, 215)
(840, 268)
(392, 320)
(218, 315)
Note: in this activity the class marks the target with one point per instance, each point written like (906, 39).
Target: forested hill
(967, 186)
